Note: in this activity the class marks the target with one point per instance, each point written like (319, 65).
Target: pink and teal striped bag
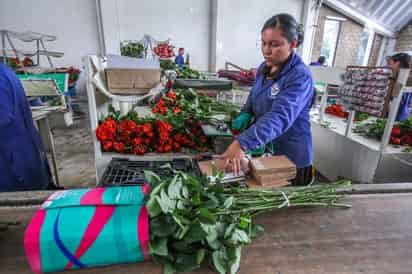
(88, 227)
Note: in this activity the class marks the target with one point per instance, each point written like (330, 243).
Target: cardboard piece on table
(270, 178)
(252, 183)
(272, 165)
(131, 81)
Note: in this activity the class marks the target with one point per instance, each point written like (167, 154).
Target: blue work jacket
(23, 164)
(281, 111)
(404, 107)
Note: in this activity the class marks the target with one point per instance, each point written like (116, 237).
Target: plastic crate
(128, 172)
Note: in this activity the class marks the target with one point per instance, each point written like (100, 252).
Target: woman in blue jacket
(279, 101)
(23, 164)
(396, 62)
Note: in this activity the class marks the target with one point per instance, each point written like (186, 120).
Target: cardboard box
(272, 165)
(131, 81)
(252, 183)
(273, 178)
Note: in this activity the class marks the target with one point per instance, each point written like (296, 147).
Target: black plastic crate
(127, 172)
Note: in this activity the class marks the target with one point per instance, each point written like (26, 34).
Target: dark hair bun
(289, 26)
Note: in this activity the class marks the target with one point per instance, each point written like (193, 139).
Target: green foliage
(193, 221)
(132, 49)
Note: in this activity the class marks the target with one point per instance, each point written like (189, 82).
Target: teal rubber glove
(242, 121)
(269, 148)
(259, 151)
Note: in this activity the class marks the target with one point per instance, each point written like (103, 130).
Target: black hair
(404, 59)
(288, 25)
(322, 59)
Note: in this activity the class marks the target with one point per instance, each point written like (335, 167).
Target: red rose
(176, 146)
(123, 125)
(131, 125)
(139, 149)
(395, 141)
(176, 110)
(406, 140)
(168, 148)
(147, 127)
(103, 133)
(118, 147)
(396, 131)
(163, 136)
(172, 95)
(137, 141)
(161, 102)
(107, 145)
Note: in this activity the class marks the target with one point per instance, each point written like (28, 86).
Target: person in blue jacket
(279, 101)
(396, 62)
(180, 60)
(321, 62)
(23, 164)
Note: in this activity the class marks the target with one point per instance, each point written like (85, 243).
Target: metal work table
(374, 236)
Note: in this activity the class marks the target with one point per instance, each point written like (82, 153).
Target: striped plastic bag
(88, 227)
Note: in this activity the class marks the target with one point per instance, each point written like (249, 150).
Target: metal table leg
(48, 142)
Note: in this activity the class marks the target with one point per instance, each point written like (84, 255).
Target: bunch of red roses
(125, 136)
(128, 136)
(168, 102)
(401, 136)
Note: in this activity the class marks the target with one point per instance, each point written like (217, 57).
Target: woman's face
(276, 49)
(394, 65)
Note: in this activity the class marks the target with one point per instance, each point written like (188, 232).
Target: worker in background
(396, 62)
(321, 62)
(23, 163)
(180, 60)
(279, 101)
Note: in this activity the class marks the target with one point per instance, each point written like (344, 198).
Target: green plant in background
(132, 49)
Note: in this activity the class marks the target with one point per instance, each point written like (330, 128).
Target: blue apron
(281, 110)
(23, 163)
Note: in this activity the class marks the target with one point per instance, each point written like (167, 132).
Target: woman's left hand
(234, 155)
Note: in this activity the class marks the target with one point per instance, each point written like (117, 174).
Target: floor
(75, 156)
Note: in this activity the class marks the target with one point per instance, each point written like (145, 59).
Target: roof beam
(357, 16)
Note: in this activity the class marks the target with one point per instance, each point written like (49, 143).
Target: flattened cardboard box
(273, 178)
(271, 165)
(131, 81)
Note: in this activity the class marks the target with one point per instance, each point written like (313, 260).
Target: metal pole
(3, 42)
(323, 103)
(48, 56)
(38, 52)
(349, 125)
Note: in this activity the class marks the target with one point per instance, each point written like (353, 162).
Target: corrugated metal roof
(391, 14)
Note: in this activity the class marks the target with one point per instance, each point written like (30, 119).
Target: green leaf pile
(194, 222)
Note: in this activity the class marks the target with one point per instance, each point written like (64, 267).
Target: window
(330, 40)
(365, 47)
